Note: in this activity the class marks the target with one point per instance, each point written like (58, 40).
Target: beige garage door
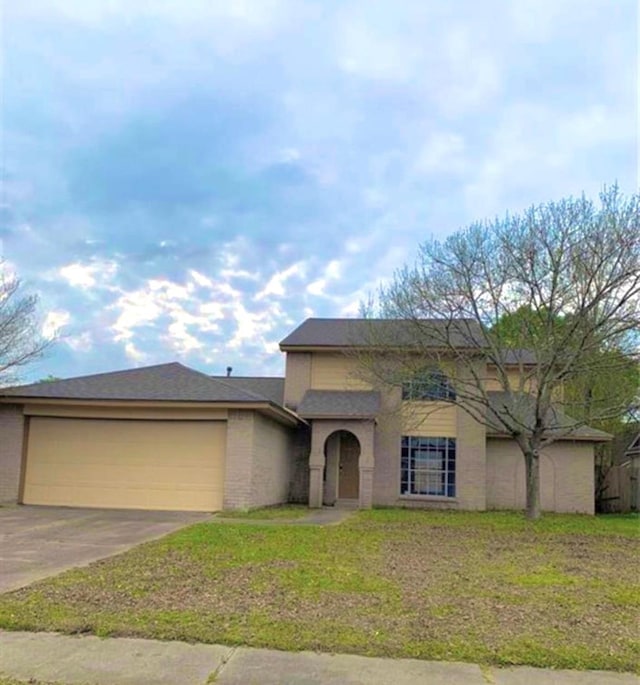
(176, 465)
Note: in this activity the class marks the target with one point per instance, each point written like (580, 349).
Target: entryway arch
(326, 438)
(342, 451)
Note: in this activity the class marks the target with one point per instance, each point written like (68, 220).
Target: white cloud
(80, 343)
(183, 315)
(95, 272)
(182, 340)
(136, 308)
(331, 272)
(276, 284)
(134, 354)
(54, 322)
(200, 279)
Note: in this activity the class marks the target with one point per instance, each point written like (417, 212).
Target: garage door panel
(130, 464)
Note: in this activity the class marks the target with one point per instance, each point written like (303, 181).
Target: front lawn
(488, 588)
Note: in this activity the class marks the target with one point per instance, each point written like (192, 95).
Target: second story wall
(429, 419)
(494, 384)
(297, 378)
(336, 371)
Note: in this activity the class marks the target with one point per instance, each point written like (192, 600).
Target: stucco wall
(11, 436)
(566, 477)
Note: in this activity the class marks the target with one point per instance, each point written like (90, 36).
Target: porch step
(346, 503)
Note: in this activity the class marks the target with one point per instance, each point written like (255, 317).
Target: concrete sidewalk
(123, 661)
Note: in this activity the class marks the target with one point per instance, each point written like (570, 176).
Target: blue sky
(190, 180)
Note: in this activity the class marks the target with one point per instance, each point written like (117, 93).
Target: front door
(349, 477)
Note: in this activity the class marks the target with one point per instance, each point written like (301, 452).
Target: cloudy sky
(188, 180)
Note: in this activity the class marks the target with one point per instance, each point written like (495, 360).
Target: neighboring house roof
(526, 357)
(270, 387)
(522, 405)
(164, 382)
(373, 332)
(324, 404)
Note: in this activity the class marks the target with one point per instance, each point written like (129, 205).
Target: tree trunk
(532, 464)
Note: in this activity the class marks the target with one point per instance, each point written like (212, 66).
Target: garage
(132, 464)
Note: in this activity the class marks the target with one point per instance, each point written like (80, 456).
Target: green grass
(489, 588)
(603, 524)
(286, 511)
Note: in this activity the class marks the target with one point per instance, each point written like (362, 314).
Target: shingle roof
(166, 382)
(526, 357)
(373, 332)
(270, 387)
(318, 404)
(523, 408)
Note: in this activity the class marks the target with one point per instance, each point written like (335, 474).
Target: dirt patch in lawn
(406, 584)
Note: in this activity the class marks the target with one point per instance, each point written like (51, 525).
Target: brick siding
(11, 437)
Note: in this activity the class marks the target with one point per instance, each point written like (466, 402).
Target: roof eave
(276, 411)
(384, 348)
(340, 417)
(566, 437)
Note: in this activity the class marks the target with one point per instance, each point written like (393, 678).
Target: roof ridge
(275, 378)
(249, 393)
(95, 375)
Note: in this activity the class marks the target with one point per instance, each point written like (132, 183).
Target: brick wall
(259, 461)
(566, 476)
(272, 462)
(471, 463)
(239, 459)
(386, 474)
(11, 436)
(299, 483)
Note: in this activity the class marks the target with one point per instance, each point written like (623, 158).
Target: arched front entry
(347, 444)
(342, 467)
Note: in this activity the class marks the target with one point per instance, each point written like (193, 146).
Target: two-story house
(169, 437)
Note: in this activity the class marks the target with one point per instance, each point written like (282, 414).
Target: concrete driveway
(37, 542)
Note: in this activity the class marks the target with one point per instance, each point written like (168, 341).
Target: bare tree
(21, 337)
(574, 264)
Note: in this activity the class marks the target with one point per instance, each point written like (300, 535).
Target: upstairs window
(431, 385)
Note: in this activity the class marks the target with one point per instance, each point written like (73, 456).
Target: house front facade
(168, 437)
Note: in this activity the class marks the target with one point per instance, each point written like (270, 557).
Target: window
(432, 385)
(428, 466)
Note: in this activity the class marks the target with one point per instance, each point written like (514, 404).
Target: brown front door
(349, 478)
